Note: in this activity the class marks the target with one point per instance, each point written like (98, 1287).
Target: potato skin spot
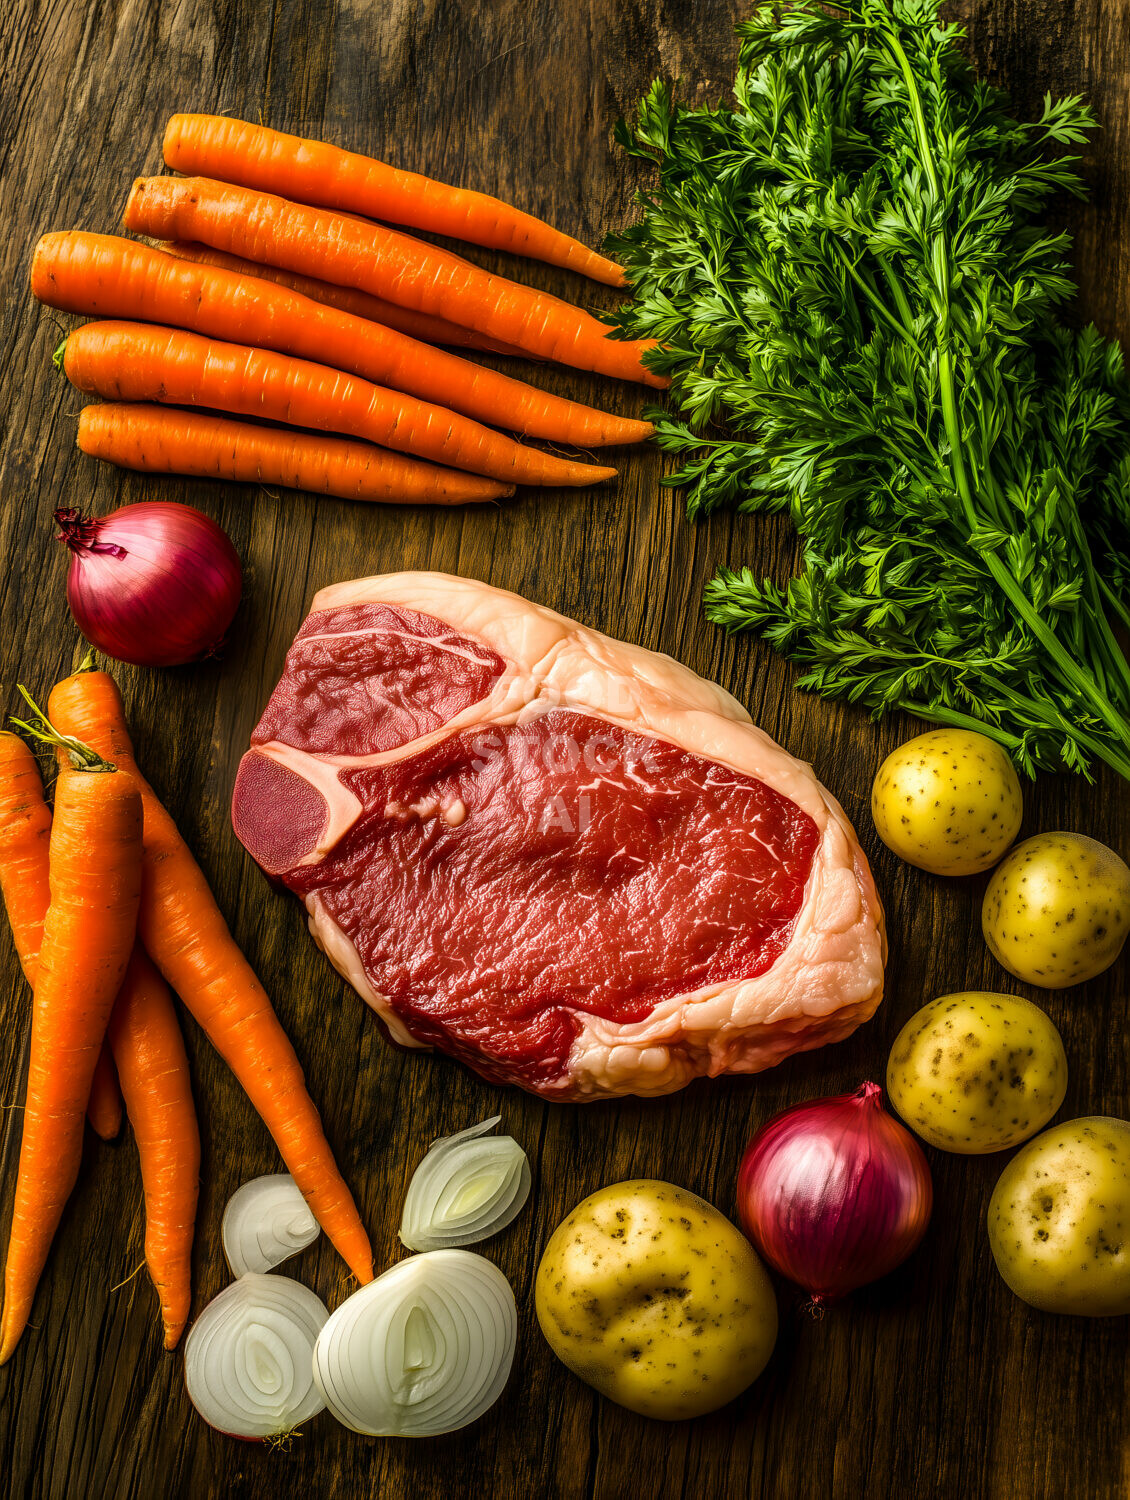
(1059, 1219)
(676, 1319)
(948, 801)
(960, 1080)
(1057, 910)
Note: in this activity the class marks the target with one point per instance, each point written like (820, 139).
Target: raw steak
(567, 861)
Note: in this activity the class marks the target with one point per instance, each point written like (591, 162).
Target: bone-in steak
(568, 861)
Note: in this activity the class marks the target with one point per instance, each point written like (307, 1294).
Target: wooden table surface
(936, 1381)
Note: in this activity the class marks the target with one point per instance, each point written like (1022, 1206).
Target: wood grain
(936, 1382)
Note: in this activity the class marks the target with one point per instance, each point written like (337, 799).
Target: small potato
(977, 1072)
(1058, 910)
(948, 802)
(1059, 1219)
(651, 1296)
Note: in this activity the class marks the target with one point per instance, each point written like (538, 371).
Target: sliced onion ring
(424, 1349)
(465, 1189)
(247, 1358)
(266, 1222)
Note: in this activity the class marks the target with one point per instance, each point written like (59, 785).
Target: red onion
(155, 584)
(835, 1193)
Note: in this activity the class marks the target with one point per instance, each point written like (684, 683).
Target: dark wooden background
(937, 1381)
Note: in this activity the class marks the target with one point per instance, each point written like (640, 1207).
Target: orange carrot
(158, 440)
(25, 835)
(334, 247)
(25, 838)
(186, 936)
(95, 875)
(104, 1107)
(314, 172)
(347, 299)
(153, 1068)
(139, 362)
(143, 1031)
(110, 277)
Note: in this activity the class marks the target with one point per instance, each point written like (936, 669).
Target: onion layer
(155, 584)
(465, 1189)
(247, 1358)
(424, 1349)
(266, 1221)
(835, 1193)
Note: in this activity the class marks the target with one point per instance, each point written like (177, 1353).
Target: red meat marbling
(566, 861)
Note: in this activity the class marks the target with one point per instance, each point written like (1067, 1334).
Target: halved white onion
(424, 1349)
(266, 1221)
(465, 1189)
(247, 1358)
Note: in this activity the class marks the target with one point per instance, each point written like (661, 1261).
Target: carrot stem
(80, 757)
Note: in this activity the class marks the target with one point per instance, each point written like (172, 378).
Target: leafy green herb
(859, 312)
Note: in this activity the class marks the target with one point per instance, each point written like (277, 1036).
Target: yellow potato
(654, 1298)
(1059, 1219)
(977, 1072)
(948, 802)
(1058, 910)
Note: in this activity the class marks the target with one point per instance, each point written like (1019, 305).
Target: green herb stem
(858, 306)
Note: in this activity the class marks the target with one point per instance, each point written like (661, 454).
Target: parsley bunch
(858, 307)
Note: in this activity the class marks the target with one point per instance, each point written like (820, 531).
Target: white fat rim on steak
(829, 978)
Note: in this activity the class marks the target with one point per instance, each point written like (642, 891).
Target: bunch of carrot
(108, 908)
(274, 295)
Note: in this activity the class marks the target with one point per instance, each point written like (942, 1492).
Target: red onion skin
(155, 584)
(834, 1193)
